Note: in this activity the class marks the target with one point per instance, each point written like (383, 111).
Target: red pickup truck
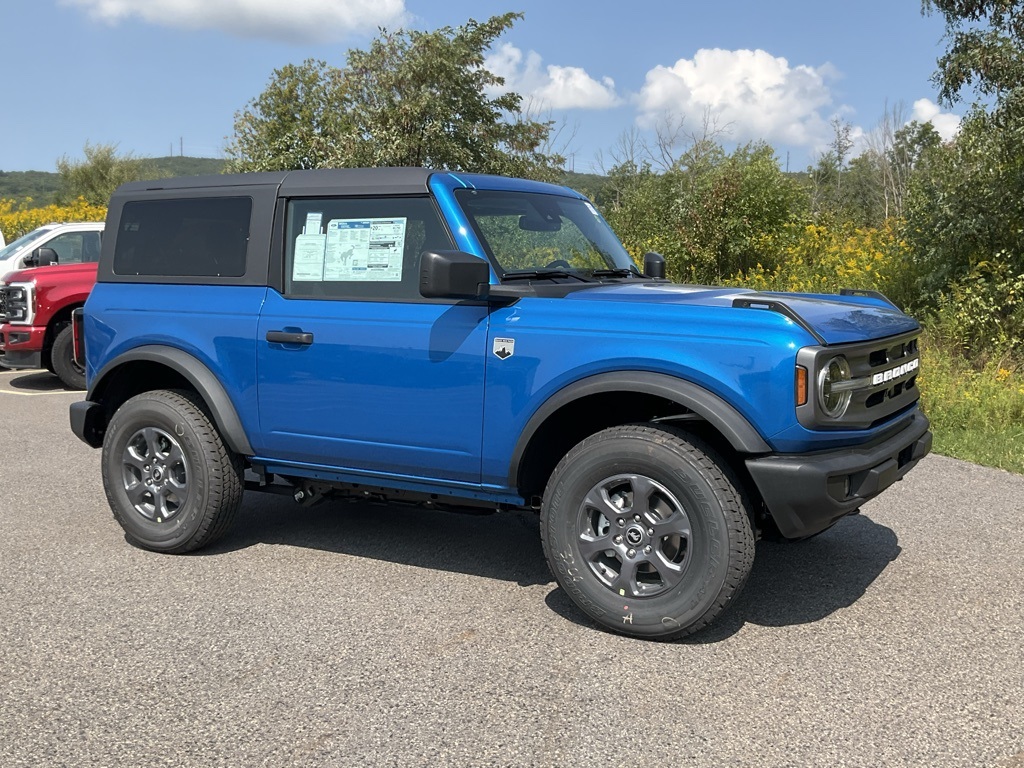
(35, 309)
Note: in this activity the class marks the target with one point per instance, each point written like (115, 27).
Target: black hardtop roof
(329, 182)
(323, 180)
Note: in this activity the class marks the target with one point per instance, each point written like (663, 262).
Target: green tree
(637, 206)
(294, 123)
(964, 205)
(965, 208)
(413, 98)
(985, 53)
(878, 180)
(912, 146)
(709, 211)
(865, 189)
(95, 178)
(828, 197)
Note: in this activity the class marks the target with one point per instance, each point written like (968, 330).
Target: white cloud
(295, 21)
(553, 87)
(755, 94)
(946, 123)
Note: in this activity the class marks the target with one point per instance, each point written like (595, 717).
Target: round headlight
(834, 400)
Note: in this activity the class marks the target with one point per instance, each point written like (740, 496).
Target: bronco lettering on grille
(895, 373)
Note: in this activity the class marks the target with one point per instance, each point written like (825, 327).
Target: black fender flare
(733, 426)
(222, 409)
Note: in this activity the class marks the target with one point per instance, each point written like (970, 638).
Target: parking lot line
(5, 391)
(37, 394)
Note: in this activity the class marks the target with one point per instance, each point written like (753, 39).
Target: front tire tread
(726, 487)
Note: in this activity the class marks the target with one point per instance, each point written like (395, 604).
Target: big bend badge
(504, 348)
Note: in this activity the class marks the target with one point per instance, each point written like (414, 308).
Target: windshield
(527, 232)
(35, 234)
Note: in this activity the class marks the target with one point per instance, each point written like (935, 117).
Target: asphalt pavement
(361, 635)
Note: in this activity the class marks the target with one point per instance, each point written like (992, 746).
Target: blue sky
(161, 76)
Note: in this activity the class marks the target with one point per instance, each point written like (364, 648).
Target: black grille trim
(872, 403)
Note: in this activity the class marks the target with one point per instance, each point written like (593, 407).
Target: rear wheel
(171, 482)
(647, 530)
(62, 360)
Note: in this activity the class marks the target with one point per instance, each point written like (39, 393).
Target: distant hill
(42, 186)
(38, 185)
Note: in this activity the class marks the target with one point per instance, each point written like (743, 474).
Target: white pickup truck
(72, 242)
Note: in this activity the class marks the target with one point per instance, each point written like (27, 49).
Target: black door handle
(287, 337)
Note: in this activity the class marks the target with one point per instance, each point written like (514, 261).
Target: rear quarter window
(195, 237)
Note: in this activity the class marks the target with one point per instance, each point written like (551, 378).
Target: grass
(977, 411)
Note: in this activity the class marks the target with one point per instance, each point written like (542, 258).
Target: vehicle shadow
(38, 381)
(503, 546)
(794, 582)
(803, 582)
(791, 582)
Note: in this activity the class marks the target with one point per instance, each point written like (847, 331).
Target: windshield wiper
(543, 274)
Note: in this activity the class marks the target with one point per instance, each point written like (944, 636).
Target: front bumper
(807, 493)
(21, 346)
(88, 422)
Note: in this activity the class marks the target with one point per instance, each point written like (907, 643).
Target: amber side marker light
(801, 385)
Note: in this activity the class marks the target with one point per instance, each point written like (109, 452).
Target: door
(354, 370)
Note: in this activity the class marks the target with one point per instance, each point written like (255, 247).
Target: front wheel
(647, 530)
(171, 482)
(62, 360)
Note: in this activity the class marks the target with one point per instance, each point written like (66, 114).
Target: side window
(75, 247)
(196, 237)
(360, 248)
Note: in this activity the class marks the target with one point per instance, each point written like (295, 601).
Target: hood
(833, 319)
(50, 273)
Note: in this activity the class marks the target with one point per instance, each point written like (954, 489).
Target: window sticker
(309, 258)
(591, 208)
(365, 249)
(313, 220)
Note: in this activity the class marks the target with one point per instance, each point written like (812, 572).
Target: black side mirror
(453, 275)
(42, 257)
(654, 265)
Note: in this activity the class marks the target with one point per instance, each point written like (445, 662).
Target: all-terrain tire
(62, 359)
(647, 530)
(171, 482)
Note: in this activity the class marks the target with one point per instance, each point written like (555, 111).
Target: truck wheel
(647, 530)
(171, 482)
(62, 358)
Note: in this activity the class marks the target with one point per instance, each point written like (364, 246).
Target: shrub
(977, 411)
(17, 219)
(822, 258)
(981, 316)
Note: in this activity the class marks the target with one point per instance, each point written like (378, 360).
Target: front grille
(889, 377)
(888, 355)
(17, 304)
(884, 372)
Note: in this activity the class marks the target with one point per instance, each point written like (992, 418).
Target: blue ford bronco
(466, 341)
